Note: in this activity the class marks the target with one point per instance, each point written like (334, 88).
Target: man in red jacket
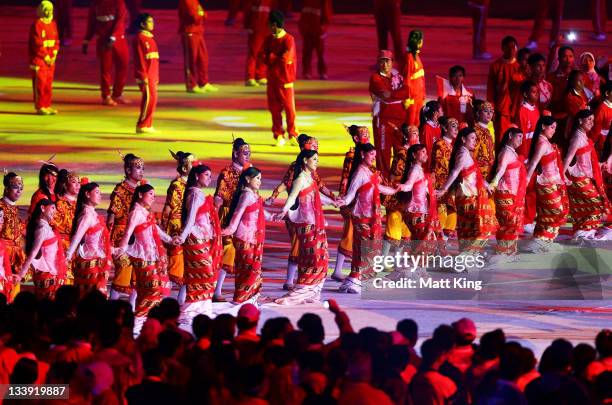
(314, 20)
(388, 15)
(388, 94)
(504, 75)
(107, 21)
(146, 62)
(256, 24)
(191, 29)
(281, 62)
(43, 48)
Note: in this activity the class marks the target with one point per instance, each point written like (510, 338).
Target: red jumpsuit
(146, 62)
(544, 9)
(388, 112)
(107, 21)
(503, 76)
(43, 48)
(256, 24)
(314, 20)
(195, 54)
(281, 63)
(414, 77)
(388, 14)
(603, 119)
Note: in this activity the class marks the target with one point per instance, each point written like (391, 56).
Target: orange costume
(11, 235)
(173, 226)
(314, 20)
(503, 77)
(345, 246)
(396, 229)
(43, 49)
(146, 62)
(256, 23)
(6, 274)
(440, 160)
(603, 119)
(388, 14)
(388, 112)
(281, 62)
(36, 197)
(226, 186)
(62, 223)
(484, 153)
(414, 77)
(120, 201)
(195, 55)
(107, 21)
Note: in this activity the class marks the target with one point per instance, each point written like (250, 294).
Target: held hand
(118, 251)
(440, 193)
(269, 201)
(225, 232)
(17, 279)
(340, 201)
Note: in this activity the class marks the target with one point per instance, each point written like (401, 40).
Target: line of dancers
(198, 239)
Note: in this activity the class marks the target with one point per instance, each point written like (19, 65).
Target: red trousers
(600, 16)
(63, 18)
(255, 65)
(388, 22)
(313, 42)
(530, 202)
(387, 135)
(42, 85)
(195, 56)
(480, 13)
(147, 104)
(118, 56)
(413, 113)
(544, 9)
(279, 99)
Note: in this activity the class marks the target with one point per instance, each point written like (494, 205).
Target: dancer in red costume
(305, 209)
(603, 118)
(89, 242)
(429, 131)
(504, 76)
(545, 9)
(146, 252)
(388, 112)
(246, 221)
(44, 252)
(475, 219)
(47, 178)
(484, 152)
(388, 15)
(43, 48)
(146, 58)
(455, 99)
(587, 196)
(202, 246)
(6, 273)
(107, 21)
(314, 22)
(281, 62)
(440, 159)
(414, 78)
(67, 190)
(12, 228)
(364, 187)
(509, 185)
(195, 54)
(256, 16)
(480, 13)
(552, 205)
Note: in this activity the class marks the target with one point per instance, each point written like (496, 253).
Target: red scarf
(105, 237)
(60, 259)
(216, 250)
(260, 234)
(139, 229)
(376, 215)
(596, 169)
(522, 186)
(483, 199)
(318, 208)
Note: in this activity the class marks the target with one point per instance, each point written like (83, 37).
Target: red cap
(465, 327)
(385, 54)
(249, 311)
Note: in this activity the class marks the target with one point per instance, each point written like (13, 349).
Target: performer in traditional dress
(146, 252)
(430, 129)
(442, 149)
(587, 195)
(66, 189)
(201, 240)
(44, 252)
(116, 221)
(90, 242)
(171, 219)
(360, 135)
(484, 153)
(305, 210)
(606, 165)
(509, 186)
(47, 177)
(246, 221)
(414, 78)
(6, 273)
(552, 205)
(475, 218)
(12, 230)
(226, 187)
(305, 142)
(364, 188)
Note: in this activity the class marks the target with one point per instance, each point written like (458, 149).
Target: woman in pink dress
(201, 240)
(90, 241)
(44, 252)
(246, 221)
(364, 188)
